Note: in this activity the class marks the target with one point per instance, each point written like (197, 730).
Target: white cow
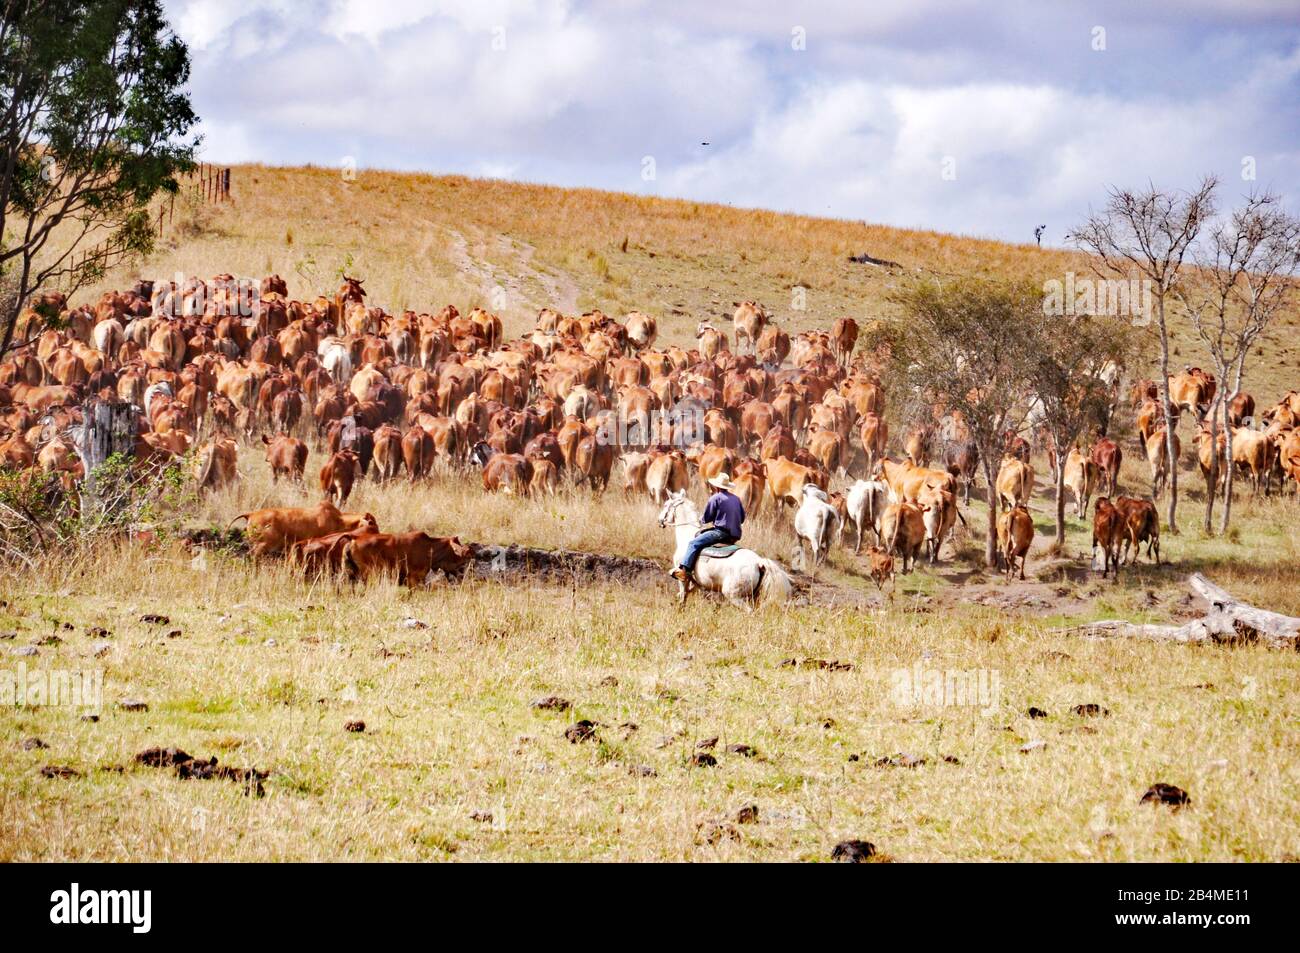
(816, 524)
(866, 500)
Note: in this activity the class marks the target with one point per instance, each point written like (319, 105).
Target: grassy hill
(421, 241)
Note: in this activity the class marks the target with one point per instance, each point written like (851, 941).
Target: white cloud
(855, 126)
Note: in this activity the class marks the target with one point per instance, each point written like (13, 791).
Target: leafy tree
(93, 120)
(1071, 359)
(965, 345)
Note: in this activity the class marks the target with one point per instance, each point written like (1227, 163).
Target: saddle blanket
(719, 552)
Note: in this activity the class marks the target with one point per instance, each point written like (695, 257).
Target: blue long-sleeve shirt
(724, 510)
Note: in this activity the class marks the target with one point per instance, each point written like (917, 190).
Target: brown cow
(339, 474)
(1107, 455)
(1015, 536)
(507, 472)
(286, 455)
(747, 321)
(881, 567)
(875, 435)
(593, 460)
(844, 336)
(388, 451)
(1108, 531)
(902, 529)
(411, 556)
(273, 530)
(546, 477)
(323, 554)
(417, 452)
(1141, 525)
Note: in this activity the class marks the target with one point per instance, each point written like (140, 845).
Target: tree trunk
(1212, 479)
(1227, 621)
(1227, 451)
(1060, 500)
(1171, 515)
(991, 536)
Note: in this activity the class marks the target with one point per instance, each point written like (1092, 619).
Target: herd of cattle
(210, 372)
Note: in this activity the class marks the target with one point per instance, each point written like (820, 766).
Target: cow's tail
(774, 583)
(348, 564)
(893, 537)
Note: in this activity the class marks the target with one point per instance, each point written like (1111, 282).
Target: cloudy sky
(983, 117)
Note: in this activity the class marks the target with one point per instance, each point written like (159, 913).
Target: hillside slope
(421, 241)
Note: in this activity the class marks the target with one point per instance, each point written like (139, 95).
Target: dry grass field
(259, 668)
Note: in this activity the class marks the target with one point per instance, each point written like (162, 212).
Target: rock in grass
(59, 771)
(153, 618)
(702, 759)
(583, 730)
(1169, 794)
(33, 744)
(162, 757)
(1090, 710)
(552, 703)
(1038, 744)
(642, 771)
(1036, 713)
(853, 851)
(356, 726)
(133, 704)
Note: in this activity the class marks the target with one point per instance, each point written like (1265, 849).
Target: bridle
(672, 508)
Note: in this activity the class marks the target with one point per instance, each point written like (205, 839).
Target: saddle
(719, 552)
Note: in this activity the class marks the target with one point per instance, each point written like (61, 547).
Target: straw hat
(722, 481)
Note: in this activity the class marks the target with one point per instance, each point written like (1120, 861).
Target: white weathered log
(1229, 620)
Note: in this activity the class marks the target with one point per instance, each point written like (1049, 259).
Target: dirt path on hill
(520, 280)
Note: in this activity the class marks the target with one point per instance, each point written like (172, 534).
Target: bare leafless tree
(1150, 234)
(1245, 276)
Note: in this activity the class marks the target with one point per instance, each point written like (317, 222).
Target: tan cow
(1158, 457)
(215, 463)
(906, 480)
(1015, 536)
(666, 474)
(1015, 481)
(902, 529)
(1080, 479)
(747, 323)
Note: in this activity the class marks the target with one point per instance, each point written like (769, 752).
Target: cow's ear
(264, 439)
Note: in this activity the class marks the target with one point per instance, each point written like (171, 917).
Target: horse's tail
(774, 583)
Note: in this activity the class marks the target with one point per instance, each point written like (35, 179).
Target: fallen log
(1229, 620)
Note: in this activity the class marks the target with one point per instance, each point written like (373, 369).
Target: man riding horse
(722, 517)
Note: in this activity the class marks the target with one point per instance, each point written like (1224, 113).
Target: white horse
(744, 577)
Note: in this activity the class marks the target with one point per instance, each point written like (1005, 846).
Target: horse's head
(668, 514)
